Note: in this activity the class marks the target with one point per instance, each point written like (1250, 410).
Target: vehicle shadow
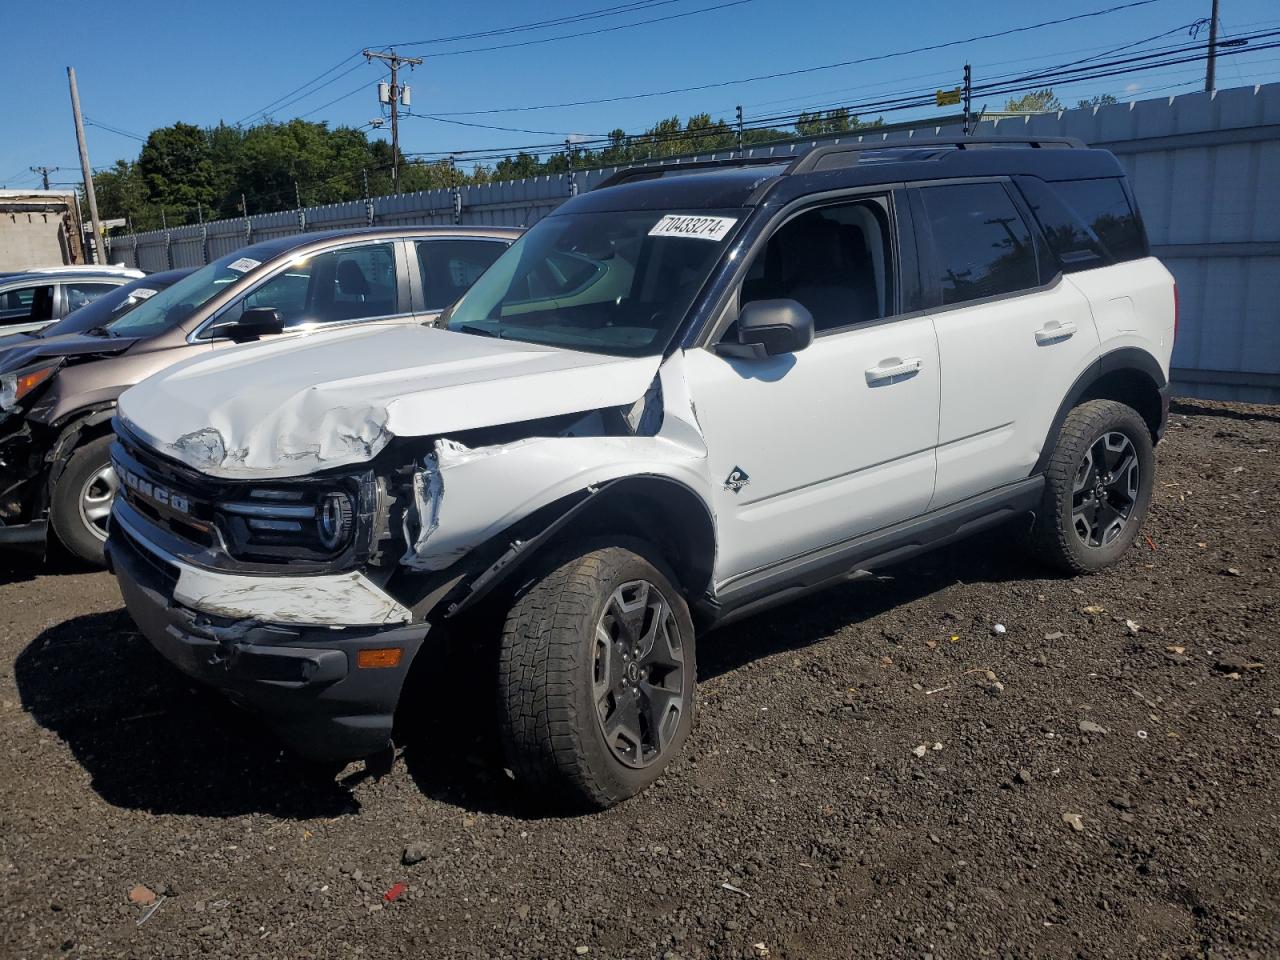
(453, 749)
(989, 557)
(150, 741)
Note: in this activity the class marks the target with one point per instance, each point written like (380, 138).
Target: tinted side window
(450, 267)
(80, 294)
(1102, 205)
(981, 244)
(26, 304)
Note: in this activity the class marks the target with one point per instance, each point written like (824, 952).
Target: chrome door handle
(1054, 332)
(893, 369)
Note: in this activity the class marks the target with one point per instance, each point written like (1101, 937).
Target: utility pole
(1210, 80)
(739, 126)
(394, 95)
(85, 168)
(968, 98)
(44, 173)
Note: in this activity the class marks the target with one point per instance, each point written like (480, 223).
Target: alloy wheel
(96, 497)
(640, 676)
(1105, 490)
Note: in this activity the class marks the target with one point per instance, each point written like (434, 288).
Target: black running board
(858, 557)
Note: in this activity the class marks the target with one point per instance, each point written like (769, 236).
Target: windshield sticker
(143, 293)
(703, 228)
(243, 265)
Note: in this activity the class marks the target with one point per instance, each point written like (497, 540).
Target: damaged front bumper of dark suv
(329, 692)
(23, 505)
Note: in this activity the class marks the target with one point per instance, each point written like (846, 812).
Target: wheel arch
(1131, 376)
(76, 429)
(653, 508)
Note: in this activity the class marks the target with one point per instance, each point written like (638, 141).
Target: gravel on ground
(964, 757)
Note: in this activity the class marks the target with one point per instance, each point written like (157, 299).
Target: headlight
(306, 522)
(15, 386)
(334, 521)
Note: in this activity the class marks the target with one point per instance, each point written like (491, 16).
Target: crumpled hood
(294, 406)
(17, 352)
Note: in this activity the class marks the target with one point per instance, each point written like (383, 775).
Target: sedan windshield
(170, 307)
(617, 283)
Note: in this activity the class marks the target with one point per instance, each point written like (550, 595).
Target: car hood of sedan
(19, 351)
(295, 406)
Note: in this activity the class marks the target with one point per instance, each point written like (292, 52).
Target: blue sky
(147, 64)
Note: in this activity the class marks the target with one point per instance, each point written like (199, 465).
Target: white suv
(687, 395)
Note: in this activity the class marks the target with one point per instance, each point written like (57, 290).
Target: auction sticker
(243, 265)
(684, 225)
(143, 293)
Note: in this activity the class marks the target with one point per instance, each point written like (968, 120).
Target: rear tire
(81, 501)
(1097, 488)
(596, 677)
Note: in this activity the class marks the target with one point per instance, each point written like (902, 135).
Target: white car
(33, 299)
(686, 396)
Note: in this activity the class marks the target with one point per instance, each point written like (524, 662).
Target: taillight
(1175, 311)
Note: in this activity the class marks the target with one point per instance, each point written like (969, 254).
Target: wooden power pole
(1210, 78)
(395, 96)
(98, 251)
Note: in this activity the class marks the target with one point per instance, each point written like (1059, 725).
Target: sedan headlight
(14, 386)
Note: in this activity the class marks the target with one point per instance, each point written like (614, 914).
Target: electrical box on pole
(393, 95)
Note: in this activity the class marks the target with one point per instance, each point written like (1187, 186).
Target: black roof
(746, 181)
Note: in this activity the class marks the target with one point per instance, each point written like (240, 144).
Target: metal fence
(1205, 168)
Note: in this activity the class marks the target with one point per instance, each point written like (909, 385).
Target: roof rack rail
(647, 171)
(814, 159)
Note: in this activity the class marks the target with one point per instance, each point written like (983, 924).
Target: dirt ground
(875, 771)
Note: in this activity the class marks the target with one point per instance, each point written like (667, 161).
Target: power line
(116, 130)
(613, 11)
(286, 96)
(899, 103)
(303, 96)
(804, 70)
(590, 33)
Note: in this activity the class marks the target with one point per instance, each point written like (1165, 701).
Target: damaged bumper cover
(22, 462)
(286, 648)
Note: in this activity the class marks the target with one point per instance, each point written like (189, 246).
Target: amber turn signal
(378, 657)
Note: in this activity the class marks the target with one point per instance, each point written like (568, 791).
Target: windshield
(617, 283)
(108, 307)
(170, 307)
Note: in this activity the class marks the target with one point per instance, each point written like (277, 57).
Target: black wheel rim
(640, 677)
(1105, 491)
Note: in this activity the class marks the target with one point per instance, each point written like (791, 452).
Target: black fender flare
(1124, 359)
(493, 563)
(69, 433)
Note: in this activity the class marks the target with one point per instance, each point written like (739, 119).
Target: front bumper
(22, 477)
(303, 679)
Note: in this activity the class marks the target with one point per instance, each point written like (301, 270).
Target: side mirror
(769, 328)
(253, 324)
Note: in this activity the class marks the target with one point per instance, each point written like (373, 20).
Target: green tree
(1101, 100)
(1037, 101)
(176, 165)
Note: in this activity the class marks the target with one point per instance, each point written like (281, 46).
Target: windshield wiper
(100, 331)
(481, 331)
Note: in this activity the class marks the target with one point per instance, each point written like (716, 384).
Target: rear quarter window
(1088, 223)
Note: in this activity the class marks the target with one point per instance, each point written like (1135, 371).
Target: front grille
(248, 522)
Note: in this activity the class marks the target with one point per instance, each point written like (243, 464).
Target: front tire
(1097, 488)
(81, 501)
(596, 677)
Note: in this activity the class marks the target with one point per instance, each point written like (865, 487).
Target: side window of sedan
(450, 267)
(353, 283)
(26, 305)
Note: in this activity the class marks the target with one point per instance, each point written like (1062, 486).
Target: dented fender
(464, 496)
